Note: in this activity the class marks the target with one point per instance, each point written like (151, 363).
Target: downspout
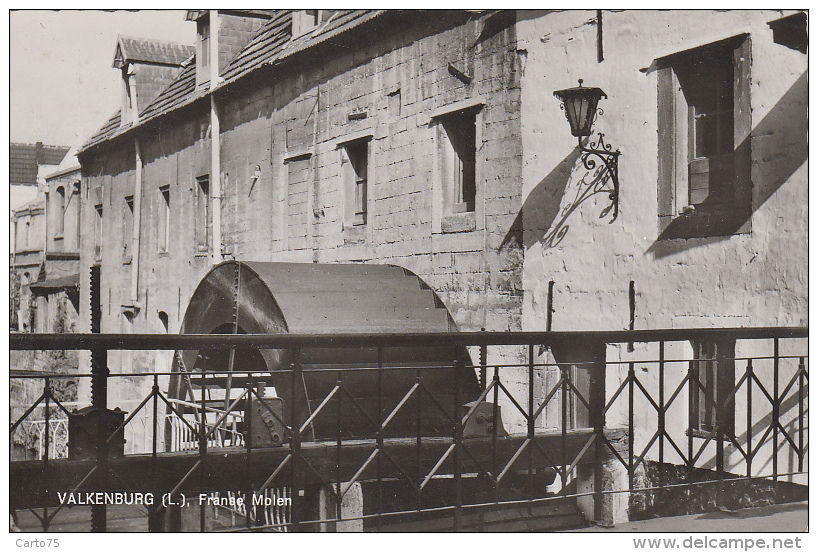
(137, 225)
(215, 142)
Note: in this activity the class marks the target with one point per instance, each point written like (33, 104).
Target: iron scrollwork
(610, 161)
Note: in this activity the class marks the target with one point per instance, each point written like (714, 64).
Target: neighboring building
(45, 294)
(434, 142)
(28, 166)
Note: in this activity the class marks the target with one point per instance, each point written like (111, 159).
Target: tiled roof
(24, 160)
(270, 45)
(154, 51)
(107, 131)
(268, 41)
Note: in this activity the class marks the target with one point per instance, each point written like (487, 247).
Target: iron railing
(576, 404)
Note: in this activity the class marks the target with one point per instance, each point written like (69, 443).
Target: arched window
(163, 318)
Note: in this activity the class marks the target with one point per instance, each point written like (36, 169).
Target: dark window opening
(98, 232)
(203, 213)
(358, 153)
(127, 229)
(707, 85)
(459, 172)
(204, 34)
(164, 219)
(711, 404)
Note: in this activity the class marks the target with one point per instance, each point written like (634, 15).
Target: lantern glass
(580, 107)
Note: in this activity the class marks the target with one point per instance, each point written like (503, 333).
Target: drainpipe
(137, 225)
(215, 142)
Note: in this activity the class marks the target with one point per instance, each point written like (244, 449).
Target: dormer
(147, 67)
(222, 34)
(305, 21)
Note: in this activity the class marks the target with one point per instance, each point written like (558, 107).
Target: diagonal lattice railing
(461, 463)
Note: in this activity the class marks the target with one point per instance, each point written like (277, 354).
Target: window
(27, 235)
(356, 174)
(164, 219)
(98, 232)
(59, 207)
(704, 152)
(203, 25)
(303, 21)
(714, 366)
(202, 223)
(127, 230)
(458, 160)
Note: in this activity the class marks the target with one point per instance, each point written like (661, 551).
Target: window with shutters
(704, 152)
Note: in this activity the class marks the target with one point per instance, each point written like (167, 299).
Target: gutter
(215, 142)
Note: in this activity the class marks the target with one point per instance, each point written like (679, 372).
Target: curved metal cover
(330, 299)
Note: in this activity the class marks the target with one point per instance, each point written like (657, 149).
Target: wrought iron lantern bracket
(610, 161)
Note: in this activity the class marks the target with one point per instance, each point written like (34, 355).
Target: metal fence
(579, 408)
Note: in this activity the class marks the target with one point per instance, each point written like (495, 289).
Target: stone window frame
(447, 217)
(730, 213)
(349, 177)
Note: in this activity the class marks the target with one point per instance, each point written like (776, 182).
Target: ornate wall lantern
(580, 106)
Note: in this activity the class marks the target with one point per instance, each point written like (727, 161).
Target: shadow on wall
(546, 212)
(780, 144)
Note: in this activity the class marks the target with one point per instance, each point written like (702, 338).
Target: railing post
(46, 439)
(530, 417)
(631, 432)
(295, 443)
(597, 419)
(154, 511)
(719, 423)
(458, 437)
(249, 517)
(483, 355)
(775, 413)
(749, 418)
(202, 451)
(801, 368)
(379, 437)
(99, 400)
(661, 414)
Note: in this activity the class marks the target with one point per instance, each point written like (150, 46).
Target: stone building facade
(435, 143)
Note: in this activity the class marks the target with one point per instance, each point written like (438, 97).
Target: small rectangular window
(164, 219)
(459, 152)
(357, 178)
(127, 229)
(711, 404)
(203, 219)
(204, 38)
(98, 232)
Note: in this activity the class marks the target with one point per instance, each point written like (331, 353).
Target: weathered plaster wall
(753, 279)
(477, 273)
